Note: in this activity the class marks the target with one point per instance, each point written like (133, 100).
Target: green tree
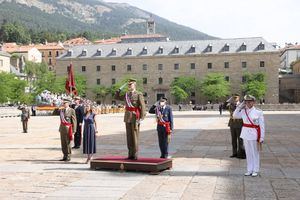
(185, 85)
(14, 32)
(12, 89)
(101, 92)
(179, 94)
(255, 84)
(214, 86)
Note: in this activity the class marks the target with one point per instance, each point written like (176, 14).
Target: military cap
(66, 100)
(163, 99)
(249, 97)
(236, 95)
(131, 80)
(77, 98)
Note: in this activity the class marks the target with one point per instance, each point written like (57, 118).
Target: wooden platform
(153, 165)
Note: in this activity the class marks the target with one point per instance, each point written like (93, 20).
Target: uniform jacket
(25, 115)
(256, 116)
(234, 123)
(167, 114)
(137, 100)
(79, 110)
(70, 116)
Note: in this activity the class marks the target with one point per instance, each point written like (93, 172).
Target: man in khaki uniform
(134, 113)
(235, 128)
(67, 127)
(24, 116)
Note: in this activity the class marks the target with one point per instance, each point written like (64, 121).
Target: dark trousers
(77, 136)
(132, 134)
(25, 125)
(237, 142)
(163, 141)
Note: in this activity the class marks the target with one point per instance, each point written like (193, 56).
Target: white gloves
(261, 140)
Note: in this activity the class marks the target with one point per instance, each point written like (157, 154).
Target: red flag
(70, 81)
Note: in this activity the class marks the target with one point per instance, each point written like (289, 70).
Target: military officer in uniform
(79, 110)
(67, 126)
(25, 115)
(134, 113)
(253, 132)
(164, 117)
(235, 128)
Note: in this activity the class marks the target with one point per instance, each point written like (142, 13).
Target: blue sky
(275, 20)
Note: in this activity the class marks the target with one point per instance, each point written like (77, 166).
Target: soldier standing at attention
(134, 113)
(79, 110)
(253, 132)
(67, 127)
(164, 117)
(25, 115)
(235, 128)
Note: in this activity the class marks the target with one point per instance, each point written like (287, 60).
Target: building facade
(288, 55)
(4, 62)
(157, 64)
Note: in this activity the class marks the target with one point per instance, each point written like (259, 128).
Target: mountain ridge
(91, 15)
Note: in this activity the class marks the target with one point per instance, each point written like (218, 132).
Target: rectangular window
(50, 53)
(98, 68)
(113, 68)
(160, 66)
(50, 61)
(57, 53)
(227, 78)
(83, 68)
(193, 94)
(209, 65)
(243, 79)
(113, 81)
(145, 81)
(262, 63)
(43, 54)
(144, 67)
(193, 66)
(128, 67)
(176, 66)
(98, 81)
(226, 64)
(160, 81)
(244, 64)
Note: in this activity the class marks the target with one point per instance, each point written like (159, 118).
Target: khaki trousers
(132, 134)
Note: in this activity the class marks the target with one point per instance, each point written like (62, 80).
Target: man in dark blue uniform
(164, 117)
(79, 110)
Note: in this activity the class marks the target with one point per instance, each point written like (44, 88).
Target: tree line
(16, 32)
(38, 78)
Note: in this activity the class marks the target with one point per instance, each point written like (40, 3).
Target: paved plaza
(202, 169)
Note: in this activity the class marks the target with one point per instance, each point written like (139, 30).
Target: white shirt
(257, 118)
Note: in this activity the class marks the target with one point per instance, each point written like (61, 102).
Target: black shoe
(63, 159)
(76, 147)
(241, 157)
(233, 156)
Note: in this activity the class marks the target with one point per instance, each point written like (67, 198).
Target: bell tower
(150, 25)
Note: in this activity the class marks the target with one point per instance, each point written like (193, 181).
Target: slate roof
(218, 46)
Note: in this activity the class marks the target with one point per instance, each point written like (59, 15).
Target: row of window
(176, 66)
(175, 50)
(160, 80)
(50, 54)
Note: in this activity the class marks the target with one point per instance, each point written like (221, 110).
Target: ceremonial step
(152, 165)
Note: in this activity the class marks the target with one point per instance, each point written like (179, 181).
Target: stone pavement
(200, 147)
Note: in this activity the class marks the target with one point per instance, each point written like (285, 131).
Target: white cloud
(275, 20)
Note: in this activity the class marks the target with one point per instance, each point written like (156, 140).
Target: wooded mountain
(90, 15)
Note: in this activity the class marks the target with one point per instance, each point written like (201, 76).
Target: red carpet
(139, 160)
